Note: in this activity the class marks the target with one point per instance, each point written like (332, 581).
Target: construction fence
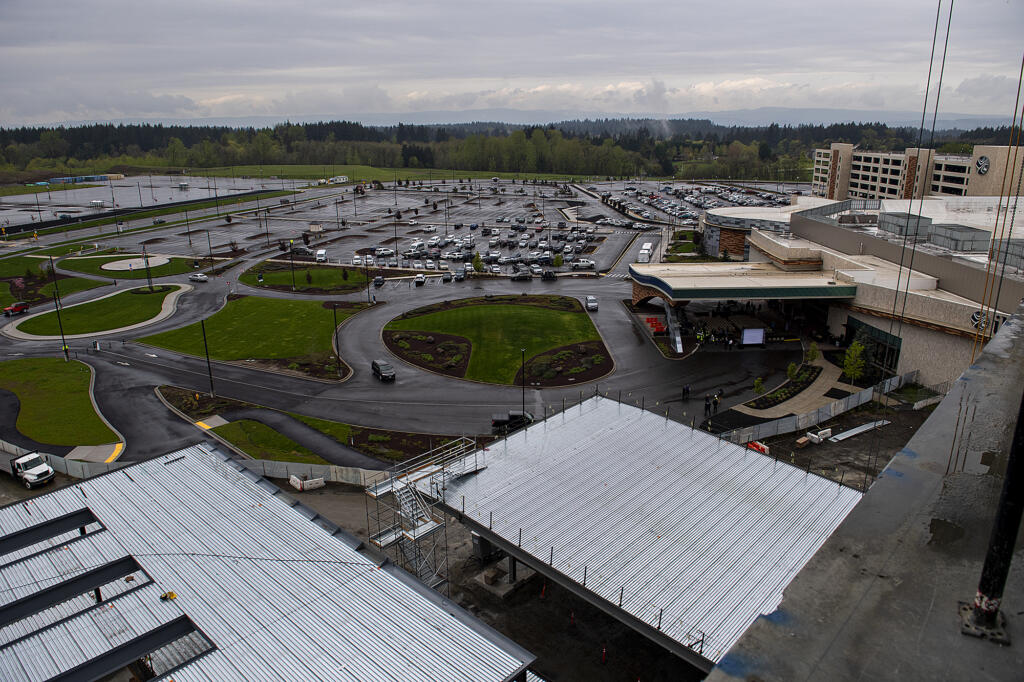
(328, 472)
(808, 420)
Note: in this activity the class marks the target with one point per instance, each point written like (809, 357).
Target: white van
(321, 256)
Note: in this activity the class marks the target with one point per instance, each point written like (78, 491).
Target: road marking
(152, 355)
(117, 452)
(203, 425)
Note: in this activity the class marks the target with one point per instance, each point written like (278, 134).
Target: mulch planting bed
(787, 390)
(567, 365)
(442, 353)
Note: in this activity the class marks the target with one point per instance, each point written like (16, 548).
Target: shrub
(597, 359)
(426, 357)
(758, 386)
(550, 374)
(576, 370)
(456, 359)
(378, 438)
(404, 345)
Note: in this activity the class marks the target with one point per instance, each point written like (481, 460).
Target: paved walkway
(170, 304)
(809, 399)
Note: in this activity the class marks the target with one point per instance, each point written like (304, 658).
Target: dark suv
(383, 370)
(504, 423)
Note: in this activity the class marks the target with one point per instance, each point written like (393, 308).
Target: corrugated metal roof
(278, 597)
(701, 533)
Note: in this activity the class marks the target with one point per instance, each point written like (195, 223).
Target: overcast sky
(84, 60)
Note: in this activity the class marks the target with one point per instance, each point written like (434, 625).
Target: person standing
(714, 403)
(707, 405)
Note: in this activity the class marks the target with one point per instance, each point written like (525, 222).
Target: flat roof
(984, 213)
(779, 213)
(265, 589)
(689, 536)
(737, 280)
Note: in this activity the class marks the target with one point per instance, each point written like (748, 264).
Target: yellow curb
(117, 453)
(204, 426)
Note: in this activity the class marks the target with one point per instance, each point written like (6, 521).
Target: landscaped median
(482, 338)
(160, 266)
(55, 407)
(22, 278)
(282, 275)
(273, 333)
(102, 315)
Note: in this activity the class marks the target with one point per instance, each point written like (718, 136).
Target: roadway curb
(208, 432)
(96, 408)
(167, 309)
(651, 338)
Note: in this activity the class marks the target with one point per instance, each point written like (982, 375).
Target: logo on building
(979, 320)
(983, 164)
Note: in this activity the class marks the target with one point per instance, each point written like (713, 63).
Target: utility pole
(291, 260)
(337, 348)
(145, 262)
(188, 229)
(206, 349)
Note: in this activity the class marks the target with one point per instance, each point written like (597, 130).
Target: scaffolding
(407, 525)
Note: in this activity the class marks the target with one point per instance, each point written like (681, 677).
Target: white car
(198, 277)
(583, 264)
(357, 260)
(412, 222)
(591, 303)
(430, 265)
(430, 228)
(367, 259)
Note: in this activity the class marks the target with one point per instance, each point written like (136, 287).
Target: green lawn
(359, 173)
(55, 405)
(262, 442)
(64, 249)
(124, 309)
(11, 190)
(497, 333)
(255, 327)
(68, 285)
(325, 278)
(18, 265)
(94, 266)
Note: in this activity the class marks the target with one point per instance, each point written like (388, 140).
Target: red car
(16, 308)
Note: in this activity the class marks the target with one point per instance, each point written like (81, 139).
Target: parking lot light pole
(523, 372)
(337, 348)
(188, 228)
(291, 260)
(206, 349)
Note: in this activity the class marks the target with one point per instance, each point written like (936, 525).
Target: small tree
(309, 277)
(792, 371)
(558, 261)
(344, 274)
(758, 386)
(478, 264)
(812, 352)
(853, 361)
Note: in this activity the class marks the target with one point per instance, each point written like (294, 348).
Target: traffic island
(273, 334)
(115, 312)
(493, 338)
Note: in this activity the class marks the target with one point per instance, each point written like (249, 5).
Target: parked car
(420, 279)
(446, 277)
(591, 303)
(549, 276)
(198, 277)
(522, 277)
(378, 281)
(16, 308)
(510, 421)
(383, 370)
(583, 264)
(460, 274)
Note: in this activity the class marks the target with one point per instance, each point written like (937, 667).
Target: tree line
(603, 147)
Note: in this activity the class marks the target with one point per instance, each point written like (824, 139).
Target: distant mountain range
(735, 117)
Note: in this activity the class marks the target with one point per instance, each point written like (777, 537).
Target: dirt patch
(567, 365)
(325, 366)
(860, 458)
(154, 240)
(232, 251)
(443, 353)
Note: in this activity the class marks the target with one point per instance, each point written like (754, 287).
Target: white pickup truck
(30, 468)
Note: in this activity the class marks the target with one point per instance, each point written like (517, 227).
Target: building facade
(845, 172)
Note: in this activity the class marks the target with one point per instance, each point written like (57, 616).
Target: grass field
(497, 333)
(255, 327)
(94, 266)
(55, 406)
(124, 309)
(262, 442)
(64, 249)
(324, 278)
(225, 204)
(11, 190)
(16, 266)
(360, 173)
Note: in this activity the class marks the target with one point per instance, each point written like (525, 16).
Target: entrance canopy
(735, 281)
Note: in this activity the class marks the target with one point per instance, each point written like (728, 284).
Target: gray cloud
(194, 58)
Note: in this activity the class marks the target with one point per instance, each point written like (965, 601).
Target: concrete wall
(991, 183)
(958, 278)
(938, 356)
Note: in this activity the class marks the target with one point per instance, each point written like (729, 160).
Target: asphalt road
(127, 372)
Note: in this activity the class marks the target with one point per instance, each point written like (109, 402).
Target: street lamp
(522, 371)
(291, 260)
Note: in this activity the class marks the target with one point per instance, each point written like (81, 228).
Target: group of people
(711, 404)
